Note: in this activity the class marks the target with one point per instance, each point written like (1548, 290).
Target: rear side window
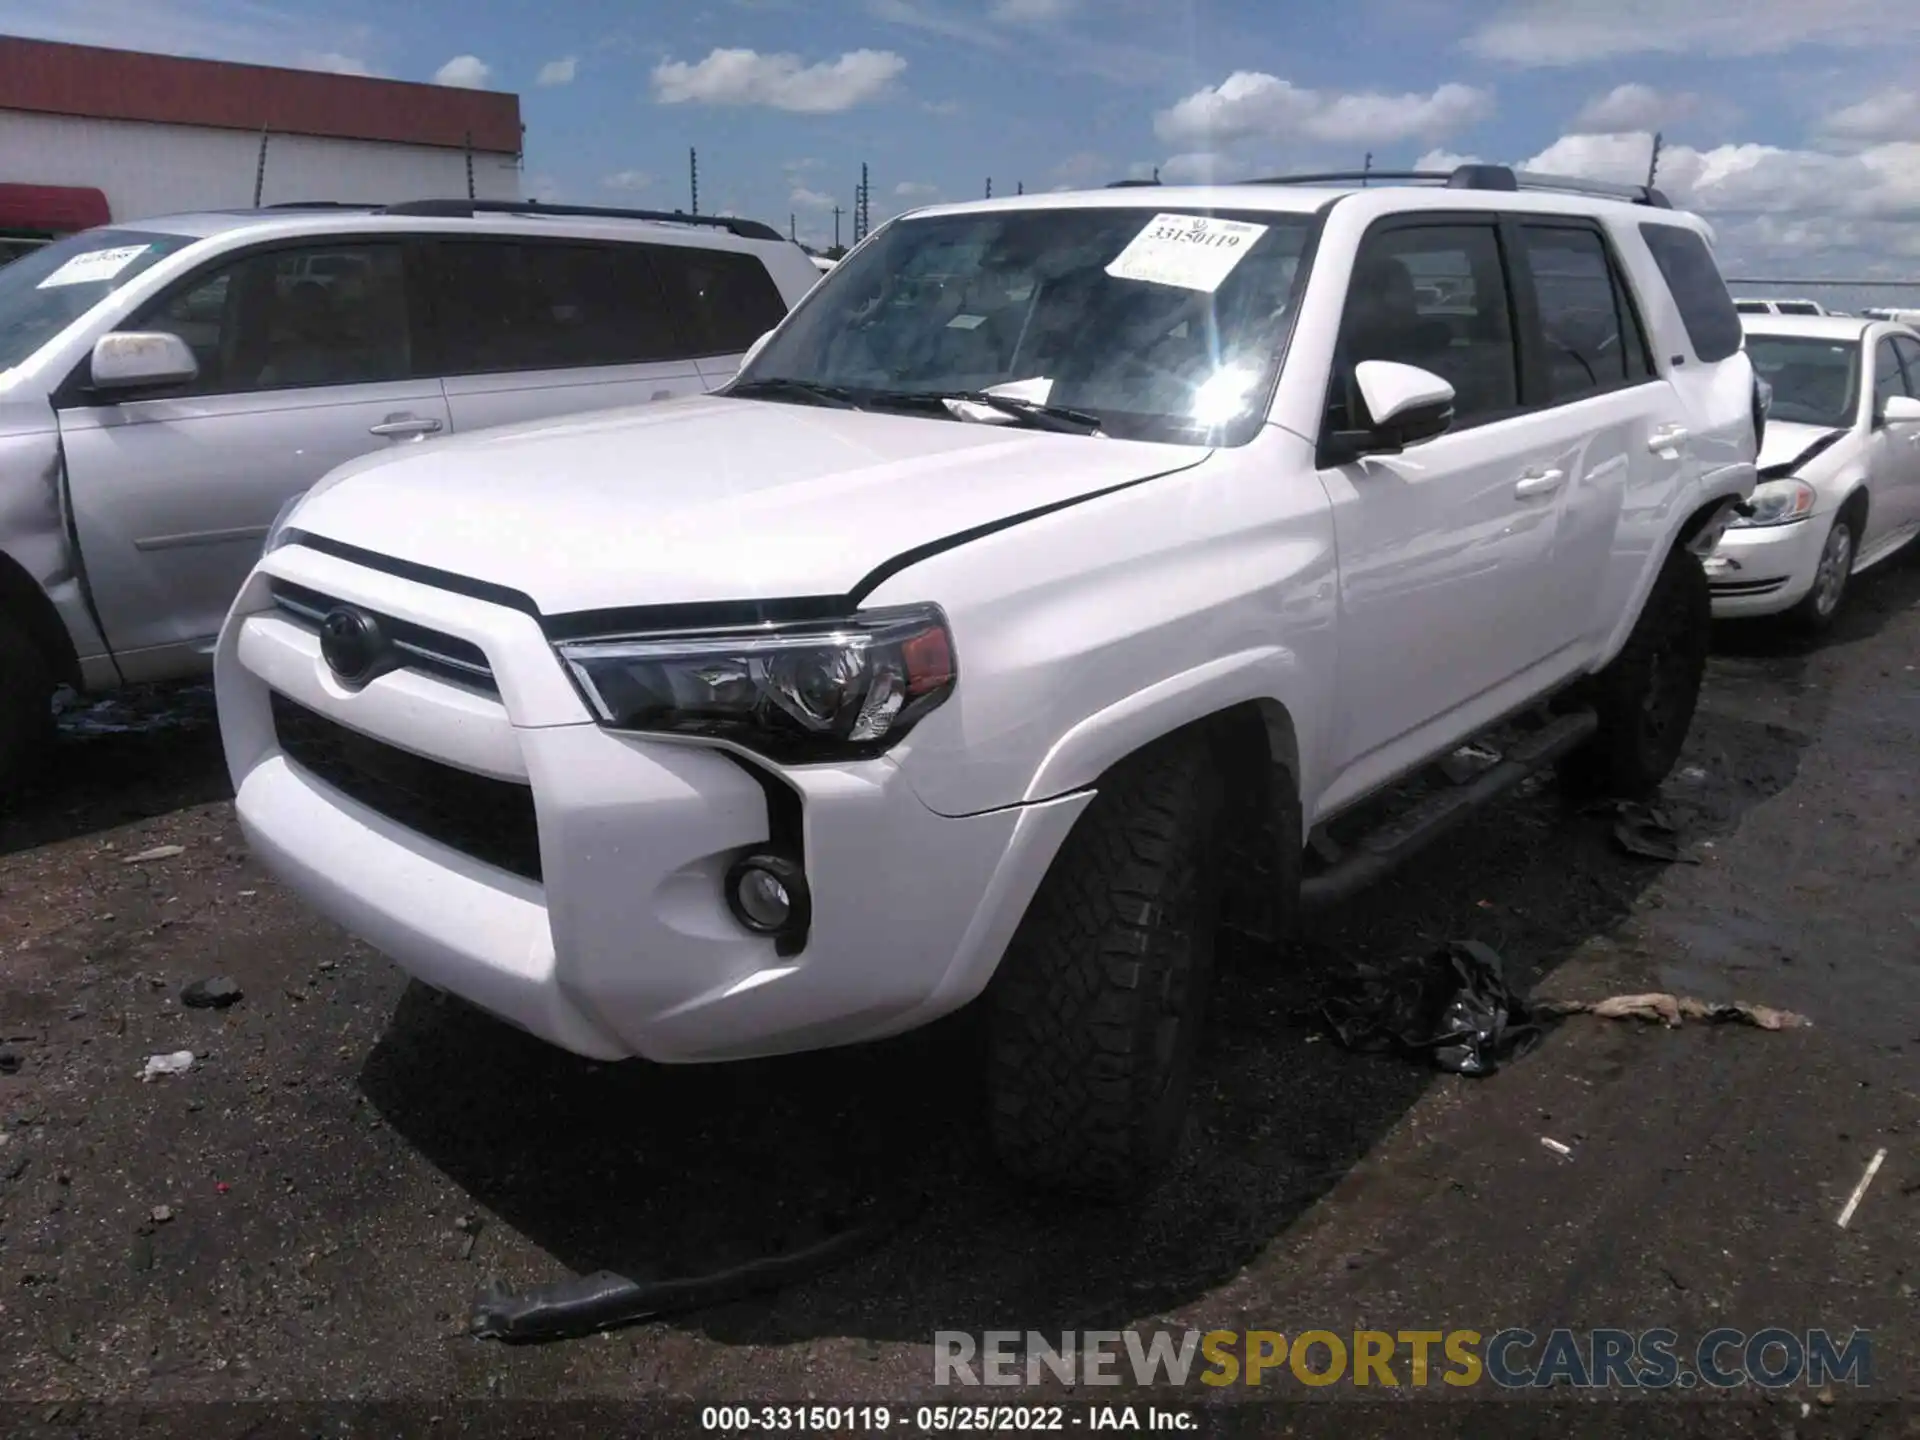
(1706, 309)
(504, 305)
(1592, 340)
(725, 300)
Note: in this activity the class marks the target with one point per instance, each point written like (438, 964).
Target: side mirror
(130, 359)
(1900, 410)
(1393, 406)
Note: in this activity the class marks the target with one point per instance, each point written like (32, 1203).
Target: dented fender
(35, 526)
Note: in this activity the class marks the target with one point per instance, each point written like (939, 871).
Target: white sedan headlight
(1776, 502)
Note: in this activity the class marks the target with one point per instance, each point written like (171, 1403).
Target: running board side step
(1372, 857)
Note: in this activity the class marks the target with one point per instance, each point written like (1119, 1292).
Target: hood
(707, 498)
(1786, 443)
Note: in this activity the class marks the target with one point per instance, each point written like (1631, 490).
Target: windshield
(46, 290)
(1815, 382)
(1160, 327)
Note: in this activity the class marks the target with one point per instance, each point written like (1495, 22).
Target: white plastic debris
(1860, 1190)
(158, 852)
(1556, 1147)
(178, 1063)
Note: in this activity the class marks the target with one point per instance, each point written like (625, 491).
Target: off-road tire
(26, 707)
(1647, 696)
(1094, 1019)
(1821, 605)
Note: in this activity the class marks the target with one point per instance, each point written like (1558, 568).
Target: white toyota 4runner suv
(1042, 598)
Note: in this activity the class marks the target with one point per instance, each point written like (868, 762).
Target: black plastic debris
(10, 1060)
(1452, 1005)
(214, 994)
(604, 1300)
(1646, 831)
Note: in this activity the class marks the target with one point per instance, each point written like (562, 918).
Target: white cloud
(916, 190)
(804, 198)
(1890, 114)
(1199, 167)
(626, 180)
(335, 63)
(941, 107)
(1773, 207)
(1577, 32)
(779, 82)
(1637, 107)
(1032, 12)
(1444, 160)
(466, 72)
(558, 72)
(1252, 105)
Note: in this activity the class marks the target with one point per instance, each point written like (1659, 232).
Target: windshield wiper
(1030, 412)
(836, 396)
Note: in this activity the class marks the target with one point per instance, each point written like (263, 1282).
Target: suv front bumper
(606, 932)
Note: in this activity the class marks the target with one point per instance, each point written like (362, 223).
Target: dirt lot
(348, 1158)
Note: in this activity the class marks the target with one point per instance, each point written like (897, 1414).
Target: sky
(1794, 126)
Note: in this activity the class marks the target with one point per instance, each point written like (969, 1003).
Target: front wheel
(1094, 1018)
(1817, 611)
(26, 706)
(1647, 696)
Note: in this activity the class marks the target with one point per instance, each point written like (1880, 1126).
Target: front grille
(447, 656)
(491, 820)
(1732, 588)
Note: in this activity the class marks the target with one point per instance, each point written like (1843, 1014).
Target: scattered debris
(1671, 1010)
(1556, 1147)
(10, 1060)
(214, 994)
(1453, 1004)
(162, 1214)
(1645, 830)
(1860, 1190)
(220, 1187)
(158, 852)
(178, 1063)
(467, 1225)
(1468, 761)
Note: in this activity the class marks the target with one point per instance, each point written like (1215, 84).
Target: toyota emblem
(351, 644)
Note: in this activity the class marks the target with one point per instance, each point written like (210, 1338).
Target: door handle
(1539, 482)
(405, 425)
(1667, 437)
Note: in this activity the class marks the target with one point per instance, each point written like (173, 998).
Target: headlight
(277, 532)
(1776, 502)
(812, 691)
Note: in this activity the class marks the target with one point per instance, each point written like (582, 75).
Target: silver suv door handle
(405, 425)
(1667, 437)
(1539, 482)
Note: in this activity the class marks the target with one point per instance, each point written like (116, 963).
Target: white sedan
(1839, 483)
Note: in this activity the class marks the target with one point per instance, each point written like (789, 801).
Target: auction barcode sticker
(1194, 252)
(92, 266)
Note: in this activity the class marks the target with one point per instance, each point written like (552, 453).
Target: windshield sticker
(1193, 252)
(92, 266)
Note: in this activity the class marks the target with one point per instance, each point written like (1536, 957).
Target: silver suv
(166, 388)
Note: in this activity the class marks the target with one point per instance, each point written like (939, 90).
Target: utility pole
(793, 227)
(469, 165)
(1366, 169)
(837, 213)
(260, 169)
(1653, 164)
(864, 219)
(693, 176)
(1019, 187)
(1156, 174)
(989, 187)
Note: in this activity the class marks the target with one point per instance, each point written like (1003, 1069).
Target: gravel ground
(350, 1158)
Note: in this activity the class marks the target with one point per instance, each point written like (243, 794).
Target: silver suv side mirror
(129, 359)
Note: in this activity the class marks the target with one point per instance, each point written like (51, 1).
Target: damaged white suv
(1045, 595)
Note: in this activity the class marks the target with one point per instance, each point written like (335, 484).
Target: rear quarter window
(1699, 291)
(724, 299)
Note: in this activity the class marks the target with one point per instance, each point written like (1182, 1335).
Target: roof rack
(321, 205)
(466, 209)
(1480, 177)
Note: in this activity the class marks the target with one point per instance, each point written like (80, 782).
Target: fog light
(768, 894)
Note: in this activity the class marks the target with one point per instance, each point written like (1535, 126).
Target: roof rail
(1128, 184)
(1480, 177)
(466, 209)
(322, 205)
